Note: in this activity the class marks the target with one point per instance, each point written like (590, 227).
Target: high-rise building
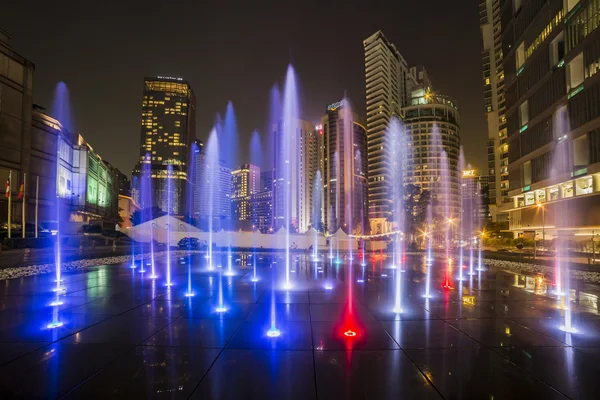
(123, 183)
(475, 199)
(388, 82)
(167, 133)
(490, 19)
(216, 182)
(551, 66)
(266, 180)
(303, 167)
(344, 169)
(245, 181)
(432, 126)
(261, 210)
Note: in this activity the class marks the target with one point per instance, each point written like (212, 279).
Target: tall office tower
(207, 182)
(387, 84)
(168, 131)
(551, 66)
(344, 170)
(495, 106)
(266, 180)
(432, 126)
(245, 181)
(261, 210)
(303, 167)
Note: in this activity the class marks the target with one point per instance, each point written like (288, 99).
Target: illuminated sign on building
(468, 173)
(319, 128)
(335, 106)
(170, 78)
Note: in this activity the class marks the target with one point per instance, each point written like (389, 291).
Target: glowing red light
(350, 333)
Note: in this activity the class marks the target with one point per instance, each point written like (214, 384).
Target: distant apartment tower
(551, 66)
(495, 106)
(167, 133)
(432, 125)
(303, 168)
(475, 197)
(245, 181)
(387, 85)
(344, 170)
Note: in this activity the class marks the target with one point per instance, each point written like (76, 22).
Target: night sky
(233, 51)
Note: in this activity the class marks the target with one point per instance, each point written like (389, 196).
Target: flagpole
(9, 196)
(23, 205)
(37, 190)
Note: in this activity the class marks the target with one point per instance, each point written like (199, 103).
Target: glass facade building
(551, 65)
(495, 106)
(168, 130)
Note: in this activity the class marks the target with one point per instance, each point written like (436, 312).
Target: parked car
(90, 230)
(189, 243)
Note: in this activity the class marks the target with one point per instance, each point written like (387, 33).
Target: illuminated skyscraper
(495, 105)
(344, 169)
(388, 80)
(168, 130)
(303, 169)
(245, 181)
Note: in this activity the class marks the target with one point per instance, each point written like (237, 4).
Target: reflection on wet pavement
(494, 335)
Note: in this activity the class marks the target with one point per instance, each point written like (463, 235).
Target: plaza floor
(494, 335)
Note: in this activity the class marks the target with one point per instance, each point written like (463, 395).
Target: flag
(7, 191)
(21, 191)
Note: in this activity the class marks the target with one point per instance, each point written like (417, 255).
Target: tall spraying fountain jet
(362, 199)
(256, 158)
(428, 236)
(562, 166)
(289, 139)
(316, 218)
(461, 226)
(169, 194)
(146, 206)
(397, 155)
(210, 180)
(230, 157)
(346, 148)
(336, 220)
(192, 173)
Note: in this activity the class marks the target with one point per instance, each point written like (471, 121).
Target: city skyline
(460, 79)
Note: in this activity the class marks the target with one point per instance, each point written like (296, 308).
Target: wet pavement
(495, 335)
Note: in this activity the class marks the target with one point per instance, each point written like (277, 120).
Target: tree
(120, 220)
(146, 214)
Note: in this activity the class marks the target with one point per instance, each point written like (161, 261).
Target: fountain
(288, 140)
(316, 218)
(210, 180)
(396, 154)
(561, 166)
(169, 194)
(428, 255)
(255, 159)
(273, 332)
(461, 227)
(146, 206)
(58, 289)
(221, 308)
